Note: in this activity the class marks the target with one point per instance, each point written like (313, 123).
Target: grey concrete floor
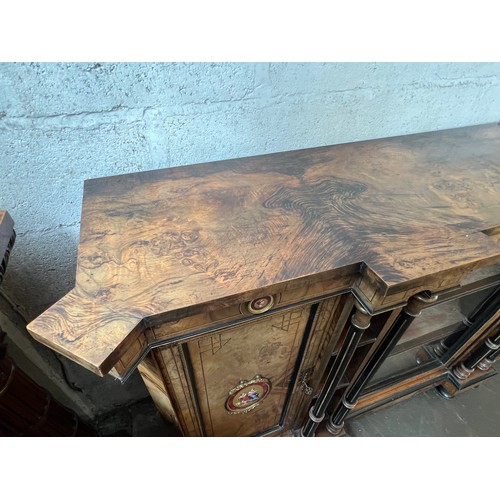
(475, 412)
(140, 419)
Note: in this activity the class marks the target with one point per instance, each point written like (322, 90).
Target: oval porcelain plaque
(247, 395)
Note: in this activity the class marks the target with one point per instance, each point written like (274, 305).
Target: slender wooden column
(360, 321)
(490, 347)
(475, 321)
(486, 363)
(398, 328)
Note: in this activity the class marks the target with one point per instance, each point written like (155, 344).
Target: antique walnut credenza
(283, 294)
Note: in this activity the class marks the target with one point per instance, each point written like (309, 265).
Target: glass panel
(435, 322)
(440, 320)
(398, 364)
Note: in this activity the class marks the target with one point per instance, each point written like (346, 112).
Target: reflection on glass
(434, 323)
(396, 364)
(440, 320)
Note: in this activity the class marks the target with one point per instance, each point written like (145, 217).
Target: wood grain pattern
(269, 348)
(222, 316)
(151, 374)
(402, 212)
(179, 388)
(397, 392)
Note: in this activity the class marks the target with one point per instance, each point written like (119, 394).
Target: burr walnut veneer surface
(389, 214)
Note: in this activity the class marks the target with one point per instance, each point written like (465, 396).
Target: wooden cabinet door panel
(220, 361)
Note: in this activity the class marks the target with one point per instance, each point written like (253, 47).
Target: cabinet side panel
(172, 366)
(151, 375)
(221, 362)
(135, 347)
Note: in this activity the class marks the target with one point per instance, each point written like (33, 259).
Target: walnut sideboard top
(386, 215)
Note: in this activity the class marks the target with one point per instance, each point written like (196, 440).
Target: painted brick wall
(63, 123)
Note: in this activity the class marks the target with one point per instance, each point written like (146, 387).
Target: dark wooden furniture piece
(7, 239)
(26, 409)
(282, 294)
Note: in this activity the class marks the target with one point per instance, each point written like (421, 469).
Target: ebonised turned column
(360, 321)
(383, 349)
(486, 363)
(489, 349)
(481, 357)
(475, 320)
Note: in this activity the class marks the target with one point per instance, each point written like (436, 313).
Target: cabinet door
(444, 321)
(243, 375)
